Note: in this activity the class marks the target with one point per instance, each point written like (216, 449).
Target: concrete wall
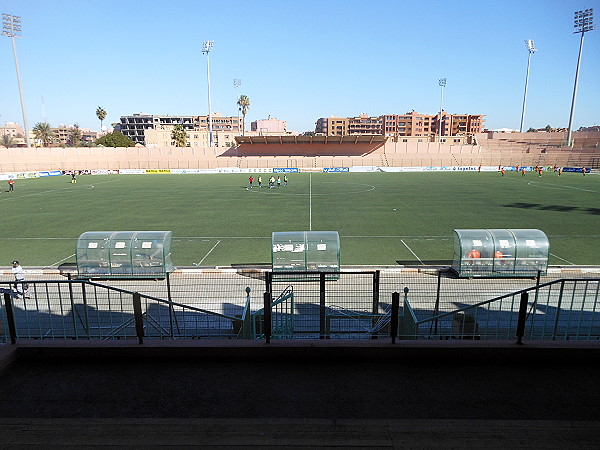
(392, 154)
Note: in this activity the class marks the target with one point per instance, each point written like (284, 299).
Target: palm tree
(244, 104)
(74, 136)
(7, 141)
(179, 135)
(100, 114)
(43, 132)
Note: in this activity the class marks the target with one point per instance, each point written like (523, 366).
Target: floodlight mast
(11, 27)
(442, 83)
(207, 46)
(531, 49)
(583, 22)
(236, 84)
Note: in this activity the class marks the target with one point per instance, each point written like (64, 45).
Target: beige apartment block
(62, 134)
(15, 131)
(410, 124)
(332, 126)
(160, 137)
(270, 125)
(135, 126)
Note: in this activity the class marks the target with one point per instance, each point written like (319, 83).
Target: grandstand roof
(302, 139)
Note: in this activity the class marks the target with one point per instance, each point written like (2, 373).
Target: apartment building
(270, 125)
(161, 137)
(344, 126)
(410, 124)
(332, 126)
(62, 134)
(135, 126)
(15, 131)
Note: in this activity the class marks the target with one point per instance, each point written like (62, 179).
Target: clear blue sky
(299, 60)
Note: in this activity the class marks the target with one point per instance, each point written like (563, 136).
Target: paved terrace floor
(307, 394)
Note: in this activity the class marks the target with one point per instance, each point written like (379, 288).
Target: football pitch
(382, 218)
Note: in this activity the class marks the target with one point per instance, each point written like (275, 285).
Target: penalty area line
(58, 262)
(410, 250)
(562, 259)
(209, 252)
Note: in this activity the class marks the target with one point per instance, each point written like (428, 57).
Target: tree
(43, 132)
(115, 139)
(548, 128)
(179, 135)
(244, 104)
(531, 130)
(74, 136)
(100, 114)
(7, 141)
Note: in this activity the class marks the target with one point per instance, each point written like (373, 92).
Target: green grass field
(382, 218)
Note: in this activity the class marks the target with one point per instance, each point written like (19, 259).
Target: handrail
(123, 291)
(501, 297)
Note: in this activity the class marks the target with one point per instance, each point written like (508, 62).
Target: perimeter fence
(230, 304)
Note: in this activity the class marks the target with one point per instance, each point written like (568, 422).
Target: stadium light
(583, 22)
(442, 83)
(207, 46)
(531, 49)
(11, 27)
(236, 84)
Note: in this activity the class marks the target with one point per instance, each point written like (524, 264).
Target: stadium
(395, 206)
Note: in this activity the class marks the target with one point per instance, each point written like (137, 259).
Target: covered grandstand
(317, 152)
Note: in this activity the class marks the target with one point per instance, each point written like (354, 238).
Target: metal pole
(85, 310)
(322, 306)
(525, 95)
(10, 318)
(236, 84)
(442, 83)
(375, 309)
(569, 143)
(394, 317)
(139, 321)
(436, 309)
(522, 317)
(210, 133)
(267, 316)
(8, 23)
(441, 109)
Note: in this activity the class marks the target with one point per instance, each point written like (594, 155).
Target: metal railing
(352, 307)
(565, 309)
(76, 309)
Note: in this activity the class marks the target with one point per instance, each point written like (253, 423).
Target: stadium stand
(310, 152)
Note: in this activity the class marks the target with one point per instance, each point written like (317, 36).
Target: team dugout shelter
(124, 254)
(306, 251)
(500, 253)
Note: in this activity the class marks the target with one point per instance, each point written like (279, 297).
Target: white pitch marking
(48, 192)
(58, 262)
(414, 254)
(551, 186)
(562, 259)
(209, 252)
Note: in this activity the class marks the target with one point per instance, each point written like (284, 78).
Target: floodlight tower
(531, 49)
(583, 21)
(236, 84)
(207, 46)
(11, 27)
(442, 83)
